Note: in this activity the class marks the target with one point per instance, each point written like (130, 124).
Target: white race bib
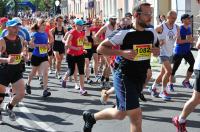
(58, 37)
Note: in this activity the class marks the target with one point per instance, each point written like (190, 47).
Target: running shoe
(10, 113)
(187, 84)
(64, 84)
(180, 127)
(171, 87)
(77, 87)
(89, 81)
(89, 120)
(165, 96)
(58, 76)
(154, 93)
(41, 83)
(46, 93)
(97, 78)
(40, 78)
(83, 92)
(50, 71)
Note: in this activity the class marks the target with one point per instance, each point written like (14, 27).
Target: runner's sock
(181, 120)
(154, 85)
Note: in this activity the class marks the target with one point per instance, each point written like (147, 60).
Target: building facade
(106, 8)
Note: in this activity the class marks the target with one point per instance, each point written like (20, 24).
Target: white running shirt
(197, 61)
(170, 36)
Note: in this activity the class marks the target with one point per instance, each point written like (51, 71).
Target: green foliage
(40, 5)
(2, 5)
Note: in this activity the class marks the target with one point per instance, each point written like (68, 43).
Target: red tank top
(77, 41)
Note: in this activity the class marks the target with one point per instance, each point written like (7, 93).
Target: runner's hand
(155, 51)
(10, 59)
(129, 54)
(85, 51)
(162, 42)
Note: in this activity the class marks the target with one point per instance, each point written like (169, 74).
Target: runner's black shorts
(59, 47)
(89, 54)
(197, 80)
(10, 74)
(36, 61)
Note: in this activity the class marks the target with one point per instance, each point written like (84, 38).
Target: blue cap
(12, 23)
(79, 22)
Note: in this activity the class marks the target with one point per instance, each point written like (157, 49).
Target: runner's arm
(161, 37)
(99, 33)
(24, 48)
(2, 49)
(51, 38)
(198, 43)
(65, 37)
(105, 48)
(182, 41)
(68, 43)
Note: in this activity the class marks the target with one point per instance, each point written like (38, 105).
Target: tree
(2, 7)
(43, 5)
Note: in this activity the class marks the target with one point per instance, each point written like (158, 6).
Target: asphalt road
(62, 112)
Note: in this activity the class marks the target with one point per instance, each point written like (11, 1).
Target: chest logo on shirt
(171, 36)
(143, 52)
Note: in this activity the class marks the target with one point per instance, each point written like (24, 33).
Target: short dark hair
(139, 7)
(59, 17)
(185, 16)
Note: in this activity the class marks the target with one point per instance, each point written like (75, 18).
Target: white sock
(154, 85)
(181, 120)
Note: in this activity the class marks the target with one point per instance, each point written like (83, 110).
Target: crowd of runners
(101, 48)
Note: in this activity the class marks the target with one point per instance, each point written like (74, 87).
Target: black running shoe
(88, 117)
(28, 89)
(141, 96)
(46, 93)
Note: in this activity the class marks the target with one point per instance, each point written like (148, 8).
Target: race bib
(17, 58)
(58, 37)
(80, 42)
(43, 50)
(87, 45)
(143, 52)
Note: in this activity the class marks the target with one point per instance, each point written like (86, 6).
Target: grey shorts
(162, 59)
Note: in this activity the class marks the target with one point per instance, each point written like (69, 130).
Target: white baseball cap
(17, 19)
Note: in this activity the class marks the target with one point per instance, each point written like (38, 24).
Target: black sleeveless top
(58, 35)
(12, 47)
